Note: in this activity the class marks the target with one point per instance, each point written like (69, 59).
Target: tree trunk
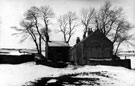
(84, 34)
(47, 38)
(37, 46)
(46, 47)
(40, 47)
(65, 37)
(117, 48)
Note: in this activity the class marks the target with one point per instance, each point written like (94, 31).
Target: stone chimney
(47, 37)
(77, 40)
(89, 31)
(84, 36)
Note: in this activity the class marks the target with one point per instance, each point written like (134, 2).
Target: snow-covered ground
(21, 74)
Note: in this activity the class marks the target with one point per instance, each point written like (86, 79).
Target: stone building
(95, 47)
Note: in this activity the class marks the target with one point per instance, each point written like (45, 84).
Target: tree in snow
(36, 24)
(46, 13)
(67, 24)
(111, 21)
(87, 17)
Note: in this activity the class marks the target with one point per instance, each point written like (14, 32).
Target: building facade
(58, 51)
(95, 47)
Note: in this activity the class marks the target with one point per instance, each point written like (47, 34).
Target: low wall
(124, 63)
(14, 59)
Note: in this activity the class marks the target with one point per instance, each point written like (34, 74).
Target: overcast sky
(11, 13)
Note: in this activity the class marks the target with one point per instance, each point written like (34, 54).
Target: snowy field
(22, 74)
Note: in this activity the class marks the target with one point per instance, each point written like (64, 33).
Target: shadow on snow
(70, 79)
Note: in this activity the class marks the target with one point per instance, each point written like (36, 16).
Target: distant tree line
(111, 21)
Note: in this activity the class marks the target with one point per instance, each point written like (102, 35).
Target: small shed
(58, 51)
(95, 47)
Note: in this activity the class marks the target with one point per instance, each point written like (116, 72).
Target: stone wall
(15, 59)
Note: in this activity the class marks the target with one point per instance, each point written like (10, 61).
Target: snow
(18, 75)
(52, 81)
(119, 76)
(58, 43)
(15, 53)
(11, 52)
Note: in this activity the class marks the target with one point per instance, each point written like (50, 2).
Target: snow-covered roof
(58, 44)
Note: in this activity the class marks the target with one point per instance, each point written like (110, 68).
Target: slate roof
(92, 36)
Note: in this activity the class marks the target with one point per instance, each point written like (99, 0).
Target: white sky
(11, 13)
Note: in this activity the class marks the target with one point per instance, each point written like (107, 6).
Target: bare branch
(67, 24)
(112, 22)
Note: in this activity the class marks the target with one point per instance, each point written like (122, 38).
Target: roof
(58, 44)
(92, 35)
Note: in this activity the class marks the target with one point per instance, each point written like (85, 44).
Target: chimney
(47, 37)
(77, 40)
(84, 36)
(89, 31)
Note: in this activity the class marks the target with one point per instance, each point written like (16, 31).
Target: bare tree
(46, 13)
(30, 26)
(112, 22)
(67, 24)
(107, 18)
(32, 15)
(33, 25)
(27, 31)
(120, 34)
(87, 17)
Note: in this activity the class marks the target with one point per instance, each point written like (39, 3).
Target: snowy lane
(18, 75)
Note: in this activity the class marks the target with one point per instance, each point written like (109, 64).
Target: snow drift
(18, 75)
